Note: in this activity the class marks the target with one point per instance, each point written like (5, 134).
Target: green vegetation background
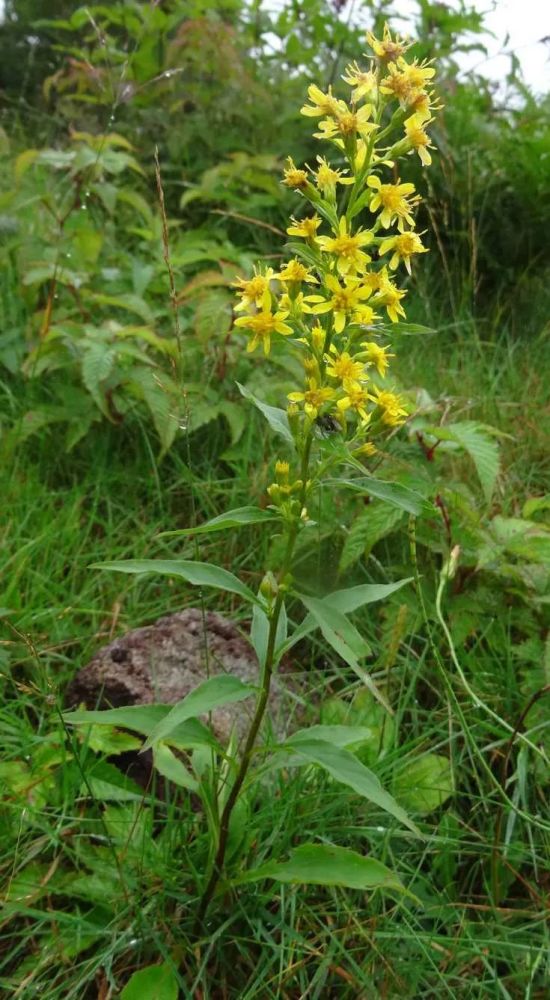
(100, 453)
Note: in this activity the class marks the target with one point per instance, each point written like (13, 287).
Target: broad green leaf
(161, 397)
(393, 493)
(479, 445)
(344, 767)
(374, 523)
(198, 574)
(97, 365)
(323, 864)
(535, 504)
(139, 718)
(143, 719)
(232, 519)
(234, 413)
(276, 418)
(108, 784)
(211, 694)
(108, 740)
(156, 982)
(425, 784)
(127, 302)
(173, 768)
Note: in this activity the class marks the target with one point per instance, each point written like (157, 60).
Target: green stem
(261, 705)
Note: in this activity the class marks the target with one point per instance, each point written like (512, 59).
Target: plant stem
(261, 704)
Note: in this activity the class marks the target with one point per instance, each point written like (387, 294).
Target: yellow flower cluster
(330, 298)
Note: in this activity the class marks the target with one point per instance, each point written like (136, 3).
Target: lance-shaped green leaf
(211, 694)
(199, 574)
(346, 601)
(143, 719)
(342, 765)
(325, 864)
(171, 767)
(344, 639)
(276, 418)
(477, 440)
(393, 493)
(232, 519)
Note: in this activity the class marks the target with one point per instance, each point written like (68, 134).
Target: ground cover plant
(110, 889)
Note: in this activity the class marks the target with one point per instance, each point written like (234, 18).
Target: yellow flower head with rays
(377, 356)
(393, 200)
(403, 247)
(306, 228)
(252, 291)
(344, 367)
(363, 82)
(344, 300)
(263, 325)
(313, 398)
(347, 248)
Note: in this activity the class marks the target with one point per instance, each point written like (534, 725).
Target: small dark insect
(327, 425)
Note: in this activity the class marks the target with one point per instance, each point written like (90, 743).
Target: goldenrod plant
(332, 306)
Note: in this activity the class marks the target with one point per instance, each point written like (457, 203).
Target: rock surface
(164, 661)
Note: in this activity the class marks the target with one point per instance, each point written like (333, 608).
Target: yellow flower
(347, 248)
(393, 412)
(296, 271)
(406, 81)
(347, 123)
(419, 138)
(343, 367)
(306, 228)
(365, 450)
(252, 291)
(403, 247)
(344, 302)
(377, 356)
(313, 398)
(262, 325)
(282, 470)
(326, 177)
(294, 178)
(418, 74)
(321, 104)
(364, 315)
(387, 48)
(390, 297)
(363, 81)
(356, 398)
(318, 337)
(372, 280)
(394, 202)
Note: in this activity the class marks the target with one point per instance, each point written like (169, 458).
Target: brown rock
(164, 661)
